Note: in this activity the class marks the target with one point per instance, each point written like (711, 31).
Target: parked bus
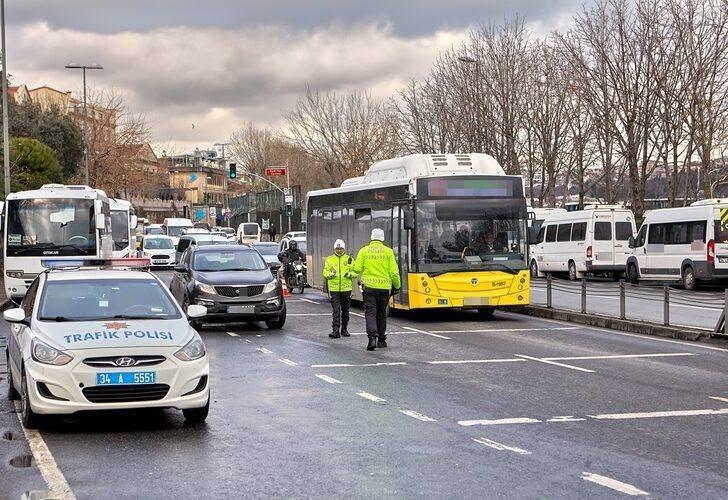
(123, 227)
(593, 240)
(55, 220)
(687, 245)
(456, 223)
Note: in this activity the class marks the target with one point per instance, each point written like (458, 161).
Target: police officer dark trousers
(338, 274)
(377, 269)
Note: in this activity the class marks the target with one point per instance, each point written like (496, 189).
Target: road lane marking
(45, 462)
(725, 400)
(233, 334)
(359, 315)
(264, 350)
(347, 365)
(500, 447)
(288, 362)
(565, 418)
(310, 314)
(501, 421)
(426, 333)
(621, 356)
(613, 484)
(311, 301)
(464, 361)
(249, 341)
(326, 378)
(563, 365)
(372, 397)
(418, 416)
(658, 414)
(507, 330)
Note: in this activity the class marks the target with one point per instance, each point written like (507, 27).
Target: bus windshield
(51, 226)
(471, 234)
(120, 229)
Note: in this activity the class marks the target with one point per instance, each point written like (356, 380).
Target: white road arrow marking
(613, 484)
(500, 447)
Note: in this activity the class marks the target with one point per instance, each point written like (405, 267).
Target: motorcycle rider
(287, 257)
(338, 275)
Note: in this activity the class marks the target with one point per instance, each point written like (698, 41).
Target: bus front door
(400, 246)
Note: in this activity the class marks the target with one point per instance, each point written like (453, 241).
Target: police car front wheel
(197, 415)
(27, 415)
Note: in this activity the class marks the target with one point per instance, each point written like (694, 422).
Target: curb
(624, 325)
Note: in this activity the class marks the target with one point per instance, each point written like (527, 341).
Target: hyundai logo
(474, 281)
(125, 361)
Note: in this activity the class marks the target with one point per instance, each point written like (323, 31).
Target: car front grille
(239, 291)
(107, 361)
(125, 393)
(160, 256)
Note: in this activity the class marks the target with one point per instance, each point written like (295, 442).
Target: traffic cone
(286, 293)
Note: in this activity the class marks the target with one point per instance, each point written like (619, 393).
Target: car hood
(271, 259)
(106, 334)
(233, 277)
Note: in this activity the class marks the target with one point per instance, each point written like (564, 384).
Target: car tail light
(711, 251)
(589, 252)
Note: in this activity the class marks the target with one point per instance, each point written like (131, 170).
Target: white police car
(101, 339)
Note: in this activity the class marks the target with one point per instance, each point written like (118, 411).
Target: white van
(175, 227)
(593, 240)
(248, 232)
(536, 218)
(687, 244)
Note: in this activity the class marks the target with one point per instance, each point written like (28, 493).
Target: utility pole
(84, 67)
(6, 131)
(226, 182)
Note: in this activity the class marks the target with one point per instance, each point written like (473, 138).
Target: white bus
(686, 244)
(593, 240)
(175, 227)
(55, 220)
(123, 227)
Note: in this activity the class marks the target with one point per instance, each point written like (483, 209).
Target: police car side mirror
(630, 242)
(196, 311)
(15, 315)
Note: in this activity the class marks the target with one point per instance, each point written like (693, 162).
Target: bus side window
(551, 233)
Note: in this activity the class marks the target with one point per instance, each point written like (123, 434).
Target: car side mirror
(134, 221)
(195, 311)
(630, 242)
(100, 222)
(409, 220)
(180, 268)
(15, 315)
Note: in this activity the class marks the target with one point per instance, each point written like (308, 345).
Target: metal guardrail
(716, 301)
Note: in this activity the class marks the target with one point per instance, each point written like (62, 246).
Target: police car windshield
(104, 299)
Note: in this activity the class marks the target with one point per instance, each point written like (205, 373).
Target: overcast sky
(217, 64)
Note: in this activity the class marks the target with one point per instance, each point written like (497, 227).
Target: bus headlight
(14, 274)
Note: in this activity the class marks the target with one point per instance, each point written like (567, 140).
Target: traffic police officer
(338, 274)
(379, 276)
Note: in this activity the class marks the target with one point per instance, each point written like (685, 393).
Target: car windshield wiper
(58, 319)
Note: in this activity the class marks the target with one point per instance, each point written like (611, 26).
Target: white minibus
(593, 241)
(686, 244)
(175, 227)
(248, 232)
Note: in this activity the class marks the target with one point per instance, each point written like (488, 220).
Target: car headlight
(43, 353)
(194, 349)
(270, 287)
(205, 288)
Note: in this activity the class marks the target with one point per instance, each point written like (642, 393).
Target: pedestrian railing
(589, 292)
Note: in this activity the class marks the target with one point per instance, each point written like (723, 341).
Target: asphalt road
(644, 302)
(516, 407)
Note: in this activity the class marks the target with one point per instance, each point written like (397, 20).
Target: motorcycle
(296, 276)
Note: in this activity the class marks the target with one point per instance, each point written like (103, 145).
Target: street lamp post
(84, 67)
(225, 182)
(6, 132)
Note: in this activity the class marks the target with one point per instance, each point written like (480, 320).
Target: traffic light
(289, 210)
(233, 171)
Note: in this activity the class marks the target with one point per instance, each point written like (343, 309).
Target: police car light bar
(120, 263)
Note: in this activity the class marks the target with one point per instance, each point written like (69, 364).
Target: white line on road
(347, 365)
(501, 421)
(613, 484)
(620, 356)
(426, 333)
(264, 350)
(501, 447)
(359, 315)
(233, 334)
(563, 365)
(418, 416)
(371, 397)
(388, 333)
(464, 361)
(310, 314)
(657, 414)
(46, 463)
(326, 378)
(566, 418)
(725, 400)
(507, 330)
(288, 362)
(311, 301)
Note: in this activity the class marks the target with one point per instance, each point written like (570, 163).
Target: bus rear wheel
(486, 312)
(688, 278)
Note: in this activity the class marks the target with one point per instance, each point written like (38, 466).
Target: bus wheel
(486, 312)
(632, 275)
(534, 269)
(688, 278)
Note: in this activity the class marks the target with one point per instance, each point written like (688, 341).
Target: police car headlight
(205, 288)
(43, 353)
(194, 349)
(270, 287)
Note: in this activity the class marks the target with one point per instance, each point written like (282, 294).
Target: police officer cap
(340, 244)
(378, 234)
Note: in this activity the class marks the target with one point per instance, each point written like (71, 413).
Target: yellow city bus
(456, 222)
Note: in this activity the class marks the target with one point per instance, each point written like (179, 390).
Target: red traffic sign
(275, 171)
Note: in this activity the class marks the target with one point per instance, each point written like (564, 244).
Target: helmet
(293, 245)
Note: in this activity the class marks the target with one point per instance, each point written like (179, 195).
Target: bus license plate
(125, 378)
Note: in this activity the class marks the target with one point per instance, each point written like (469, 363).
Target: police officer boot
(372, 344)
(334, 335)
(382, 342)
(345, 333)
